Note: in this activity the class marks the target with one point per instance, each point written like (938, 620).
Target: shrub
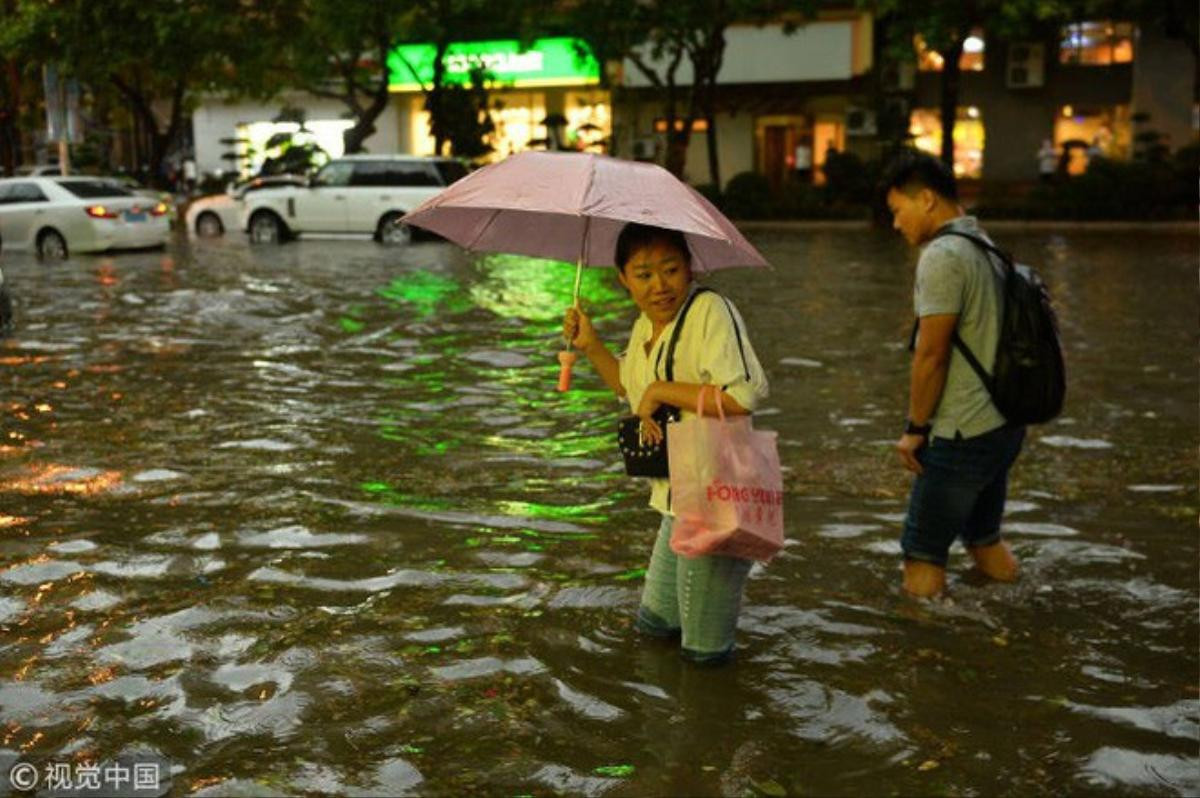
(1108, 190)
(848, 179)
(710, 192)
(747, 196)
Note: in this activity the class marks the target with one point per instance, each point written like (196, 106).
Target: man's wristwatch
(911, 428)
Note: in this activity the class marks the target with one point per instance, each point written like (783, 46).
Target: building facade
(1089, 91)
(786, 96)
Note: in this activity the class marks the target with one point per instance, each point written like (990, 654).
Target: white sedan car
(55, 216)
(209, 217)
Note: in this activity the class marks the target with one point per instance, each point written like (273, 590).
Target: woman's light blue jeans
(698, 598)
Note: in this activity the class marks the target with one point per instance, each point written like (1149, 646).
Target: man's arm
(931, 361)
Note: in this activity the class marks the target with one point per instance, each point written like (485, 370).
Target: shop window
(925, 127)
(589, 121)
(1081, 134)
(519, 120)
(1097, 43)
(971, 60)
(520, 123)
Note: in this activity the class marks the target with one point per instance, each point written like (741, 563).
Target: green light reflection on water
(532, 293)
(517, 286)
(425, 292)
(390, 495)
(577, 512)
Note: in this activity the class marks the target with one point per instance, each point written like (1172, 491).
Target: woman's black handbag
(642, 458)
(650, 459)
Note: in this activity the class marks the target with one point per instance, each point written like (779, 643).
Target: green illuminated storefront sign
(547, 62)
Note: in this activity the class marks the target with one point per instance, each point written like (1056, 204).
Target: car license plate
(138, 216)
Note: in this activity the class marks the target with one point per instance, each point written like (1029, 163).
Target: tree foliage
(658, 36)
(945, 25)
(155, 56)
(340, 50)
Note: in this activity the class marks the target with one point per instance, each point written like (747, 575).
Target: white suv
(363, 194)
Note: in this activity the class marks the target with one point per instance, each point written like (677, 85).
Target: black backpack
(1029, 378)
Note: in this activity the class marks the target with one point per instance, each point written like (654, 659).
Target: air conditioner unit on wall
(1026, 65)
(859, 122)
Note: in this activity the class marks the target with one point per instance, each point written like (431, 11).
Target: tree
(703, 38)
(19, 77)
(155, 55)
(945, 25)
(657, 35)
(342, 51)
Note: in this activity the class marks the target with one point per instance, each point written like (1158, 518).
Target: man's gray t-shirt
(955, 276)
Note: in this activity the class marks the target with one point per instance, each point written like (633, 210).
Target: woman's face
(657, 276)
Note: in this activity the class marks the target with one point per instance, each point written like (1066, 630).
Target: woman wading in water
(698, 598)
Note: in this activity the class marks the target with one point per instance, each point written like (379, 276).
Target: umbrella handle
(566, 359)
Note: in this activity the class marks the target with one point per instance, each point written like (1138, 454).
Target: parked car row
(358, 195)
(55, 216)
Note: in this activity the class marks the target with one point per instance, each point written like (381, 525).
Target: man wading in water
(955, 440)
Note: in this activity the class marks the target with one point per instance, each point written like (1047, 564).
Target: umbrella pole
(566, 358)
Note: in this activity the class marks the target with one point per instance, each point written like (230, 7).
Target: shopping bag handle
(716, 400)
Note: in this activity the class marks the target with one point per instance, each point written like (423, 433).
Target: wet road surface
(311, 518)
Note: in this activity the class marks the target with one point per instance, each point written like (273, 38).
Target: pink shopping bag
(726, 487)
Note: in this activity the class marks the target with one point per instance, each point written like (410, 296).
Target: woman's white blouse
(707, 353)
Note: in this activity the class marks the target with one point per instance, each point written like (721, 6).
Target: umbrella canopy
(571, 207)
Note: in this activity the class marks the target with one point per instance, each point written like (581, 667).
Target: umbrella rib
(484, 229)
(587, 187)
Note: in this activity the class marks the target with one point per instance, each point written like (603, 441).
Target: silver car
(55, 216)
(211, 216)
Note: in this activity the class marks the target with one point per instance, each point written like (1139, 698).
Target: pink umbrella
(571, 207)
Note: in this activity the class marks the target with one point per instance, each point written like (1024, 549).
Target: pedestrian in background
(955, 440)
(1047, 158)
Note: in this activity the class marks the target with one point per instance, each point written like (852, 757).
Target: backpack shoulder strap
(983, 244)
(959, 344)
(675, 335)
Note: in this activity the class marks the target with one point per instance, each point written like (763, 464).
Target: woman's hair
(635, 235)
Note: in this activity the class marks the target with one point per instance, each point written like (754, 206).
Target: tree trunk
(951, 75)
(675, 157)
(364, 123)
(716, 55)
(434, 96)
(10, 139)
(714, 163)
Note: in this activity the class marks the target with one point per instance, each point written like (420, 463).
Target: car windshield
(451, 171)
(93, 189)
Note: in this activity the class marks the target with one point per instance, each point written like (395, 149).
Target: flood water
(312, 519)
